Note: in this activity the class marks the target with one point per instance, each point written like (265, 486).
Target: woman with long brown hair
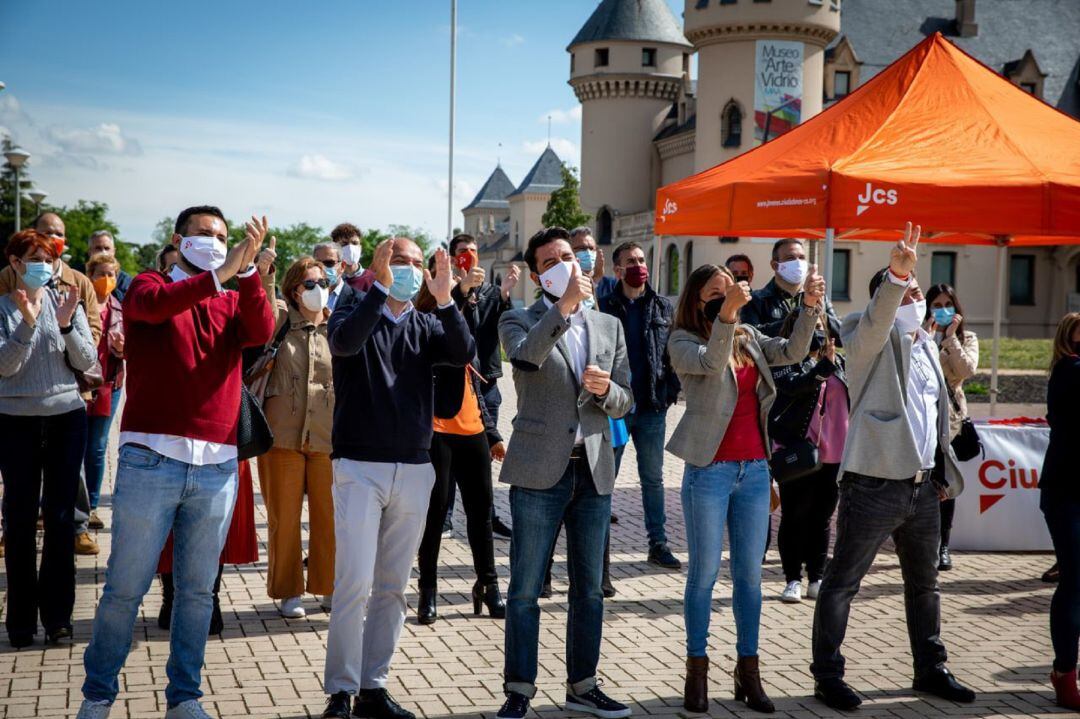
(723, 438)
(1060, 503)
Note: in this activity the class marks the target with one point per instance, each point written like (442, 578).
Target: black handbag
(794, 461)
(966, 444)
(253, 435)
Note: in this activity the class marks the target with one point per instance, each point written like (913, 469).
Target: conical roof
(494, 192)
(937, 138)
(645, 20)
(544, 177)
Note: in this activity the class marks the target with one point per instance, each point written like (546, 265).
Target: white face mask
(205, 253)
(556, 279)
(793, 271)
(350, 254)
(315, 299)
(909, 317)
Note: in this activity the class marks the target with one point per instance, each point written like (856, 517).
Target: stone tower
(756, 56)
(627, 66)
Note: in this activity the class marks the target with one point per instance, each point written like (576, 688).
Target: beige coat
(299, 400)
(958, 363)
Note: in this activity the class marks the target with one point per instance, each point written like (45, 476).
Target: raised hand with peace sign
(903, 258)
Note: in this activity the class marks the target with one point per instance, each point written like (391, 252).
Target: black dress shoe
(942, 683)
(835, 693)
(20, 640)
(425, 610)
(337, 706)
(499, 529)
(546, 591)
(944, 559)
(378, 704)
(607, 588)
(661, 556)
(55, 635)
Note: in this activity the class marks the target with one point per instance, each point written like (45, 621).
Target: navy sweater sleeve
(351, 326)
(449, 342)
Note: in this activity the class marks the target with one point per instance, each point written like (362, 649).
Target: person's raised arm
(528, 348)
(351, 326)
(780, 351)
(450, 342)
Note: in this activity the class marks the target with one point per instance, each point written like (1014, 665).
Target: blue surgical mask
(586, 258)
(37, 274)
(332, 276)
(943, 316)
(407, 280)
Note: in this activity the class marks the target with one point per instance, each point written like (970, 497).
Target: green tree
(564, 205)
(146, 256)
(292, 242)
(163, 231)
(83, 220)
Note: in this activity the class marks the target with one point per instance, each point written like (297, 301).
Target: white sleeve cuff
(896, 280)
(381, 287)
(247, 273)
(448, 304)
(217, 282)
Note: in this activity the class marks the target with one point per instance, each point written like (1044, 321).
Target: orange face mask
(104, 285)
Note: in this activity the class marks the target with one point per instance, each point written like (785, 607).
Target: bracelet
(67, 330)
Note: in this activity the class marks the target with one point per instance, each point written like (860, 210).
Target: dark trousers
(468, 460)
(948, 509)
(489, 390)
(40, 458)
(872, 509)
(1062, 514)
(807, 505)
(536, 515)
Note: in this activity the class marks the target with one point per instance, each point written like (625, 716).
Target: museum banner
(778, 85)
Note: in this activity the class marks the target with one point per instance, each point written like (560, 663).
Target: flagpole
(453, 108)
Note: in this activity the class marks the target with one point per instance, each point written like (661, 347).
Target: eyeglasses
(328, 263)
(312, 284)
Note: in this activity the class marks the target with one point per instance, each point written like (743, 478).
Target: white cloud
(565, 149)
(512, 40)
(463, 190)
(562, 117)
(320, 167)
(105, 139)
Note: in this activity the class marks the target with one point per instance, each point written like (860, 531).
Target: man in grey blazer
(898, 432)
(571, 374)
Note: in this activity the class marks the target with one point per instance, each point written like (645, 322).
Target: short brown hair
(462, 238)
(1063, 338)
(344, 231)
(624, 247)
(294, 276)
(101, 259)
(26, 241)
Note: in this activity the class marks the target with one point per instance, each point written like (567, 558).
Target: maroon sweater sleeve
(255, 320)
(154, 300)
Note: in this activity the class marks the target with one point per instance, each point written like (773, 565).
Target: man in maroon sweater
(178, 459)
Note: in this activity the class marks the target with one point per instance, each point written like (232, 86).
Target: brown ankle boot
(748, 687)
(696, 693)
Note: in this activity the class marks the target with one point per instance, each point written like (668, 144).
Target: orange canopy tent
(937, 138)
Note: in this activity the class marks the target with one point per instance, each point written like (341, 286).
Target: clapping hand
(66, 310)
(474, 278)
(510, 281)
(116, 342)
(440, 285)
(27, 309)
(265, 260)
(598, 266)
(903, 257)
(380, 263)
(813, 288)
(736, 297)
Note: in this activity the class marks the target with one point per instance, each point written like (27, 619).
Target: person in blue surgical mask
(384, 352)
(591, 260)
(328, 254)
(959, 358)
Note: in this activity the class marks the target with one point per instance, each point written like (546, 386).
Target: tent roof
(936, 138)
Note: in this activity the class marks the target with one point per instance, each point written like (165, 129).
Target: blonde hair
(1063, 345)
(101, 259)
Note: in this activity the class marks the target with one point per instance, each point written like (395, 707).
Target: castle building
(764, 66)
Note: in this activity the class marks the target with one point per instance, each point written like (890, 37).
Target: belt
(578, 452)
(922, 475)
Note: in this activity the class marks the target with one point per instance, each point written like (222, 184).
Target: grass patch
(976, 389)
(1016, 354)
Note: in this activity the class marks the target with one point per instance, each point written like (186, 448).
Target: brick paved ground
(994, 607)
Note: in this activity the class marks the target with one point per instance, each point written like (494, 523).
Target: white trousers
(380, 510)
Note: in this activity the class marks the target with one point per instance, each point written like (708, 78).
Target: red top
(743, 441)
(182, 344)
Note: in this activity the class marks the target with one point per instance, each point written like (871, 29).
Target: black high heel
(488, 596)
(425, 610)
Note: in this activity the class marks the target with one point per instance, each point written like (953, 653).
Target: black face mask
(817, 341)
(742, 278)
(712, 308)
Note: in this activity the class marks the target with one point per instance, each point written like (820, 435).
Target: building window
(572, 58)
(1022, 280)
(731, 125)
(943, 268)
(841, 279)
(601, 59)
(701, 4)
(1030, 88)
(672, 269)
(648, 57)
(689, 258)
(603, 227)
(841, 83)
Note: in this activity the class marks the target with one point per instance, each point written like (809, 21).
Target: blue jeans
(97, 442)
(536, 515)
(736, 493)
(154, 494)
(647, 431)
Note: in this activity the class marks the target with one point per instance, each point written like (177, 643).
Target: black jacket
(450, 392)
(482, 309)
(797, 389)
(659, 318)
(1063, 415)
(770, 306)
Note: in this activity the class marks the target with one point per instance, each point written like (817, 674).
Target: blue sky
(337, 111)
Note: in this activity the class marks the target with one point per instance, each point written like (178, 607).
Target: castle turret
(490, 208)
(627, 66)
(760, 69)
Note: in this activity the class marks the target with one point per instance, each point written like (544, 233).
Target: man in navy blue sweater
(383, 352)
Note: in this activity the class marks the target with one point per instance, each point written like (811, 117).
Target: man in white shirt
(899, 431)
(329, 255)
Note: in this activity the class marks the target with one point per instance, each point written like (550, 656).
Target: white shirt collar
(400, 318)
(177, 274)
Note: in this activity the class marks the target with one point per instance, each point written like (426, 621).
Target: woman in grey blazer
(723, 438)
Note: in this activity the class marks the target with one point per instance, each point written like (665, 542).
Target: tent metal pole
(830, 235)
(999, 301)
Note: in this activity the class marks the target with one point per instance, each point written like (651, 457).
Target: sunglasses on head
(328, 263)
(312, 284)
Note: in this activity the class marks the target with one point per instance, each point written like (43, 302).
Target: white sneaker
(91, 709)
(813, 589)
(326, 602)
(191, 709)
(792, 593)
(292, 608)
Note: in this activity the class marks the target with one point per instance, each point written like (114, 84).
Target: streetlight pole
(17, 157)
(37, 197)
(453, 108)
